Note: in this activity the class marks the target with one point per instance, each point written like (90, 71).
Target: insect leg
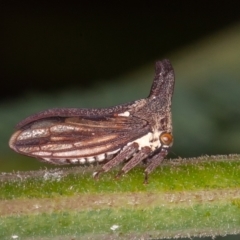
(124, 154)
(155, 161)
(136, 159)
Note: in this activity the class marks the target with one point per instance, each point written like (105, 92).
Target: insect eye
(166, 139)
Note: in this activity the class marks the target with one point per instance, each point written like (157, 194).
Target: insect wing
(63, 140)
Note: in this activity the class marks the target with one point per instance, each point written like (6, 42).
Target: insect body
(129, 133)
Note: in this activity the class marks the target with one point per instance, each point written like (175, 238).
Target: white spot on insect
(100, 157)
(74, 160)
(114, 227)
(124, 114)
(149, 140)
(91, 159)
(82, 160)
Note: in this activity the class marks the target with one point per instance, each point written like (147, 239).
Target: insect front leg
(155, 161)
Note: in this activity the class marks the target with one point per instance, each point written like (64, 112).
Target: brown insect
(130, 133)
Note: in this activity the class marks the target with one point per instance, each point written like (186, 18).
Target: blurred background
(98, 55)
